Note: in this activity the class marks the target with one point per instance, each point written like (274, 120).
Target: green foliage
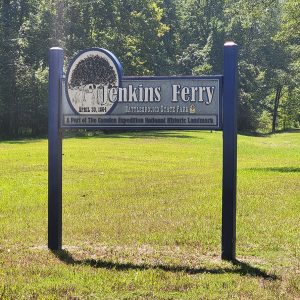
(201, 34)
(156, 37)
(197, 61)
(252, 89)
(256, 27)
(290, 26)
(25, 35)
(134, 29)
(290, 109)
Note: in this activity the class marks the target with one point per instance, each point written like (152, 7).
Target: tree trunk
(275, 109)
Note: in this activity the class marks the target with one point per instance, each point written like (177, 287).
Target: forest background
(154, 37)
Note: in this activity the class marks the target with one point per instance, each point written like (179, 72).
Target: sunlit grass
(142, 218)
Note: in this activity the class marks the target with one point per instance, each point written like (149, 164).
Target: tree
(289, 37)
(201, 36)
(154, 37)
(254, 24)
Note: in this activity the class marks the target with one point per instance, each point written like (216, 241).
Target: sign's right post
(229, 151)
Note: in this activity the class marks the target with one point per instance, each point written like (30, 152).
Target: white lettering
(194, 89)
(175, 92)
(157, 94)
(210, 92)
(132, 97)
(185, 94)
(201, 94)
(113, 92)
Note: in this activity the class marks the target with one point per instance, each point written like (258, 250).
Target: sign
(96, 95)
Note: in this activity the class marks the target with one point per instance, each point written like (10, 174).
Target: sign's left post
(56, 59)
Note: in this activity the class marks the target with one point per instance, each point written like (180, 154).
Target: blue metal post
(229, 152)
(56, 57)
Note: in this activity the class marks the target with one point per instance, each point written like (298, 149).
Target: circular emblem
(92, 82)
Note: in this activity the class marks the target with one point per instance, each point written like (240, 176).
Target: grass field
(142, 218)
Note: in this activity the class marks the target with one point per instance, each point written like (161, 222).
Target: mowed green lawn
(142, 218)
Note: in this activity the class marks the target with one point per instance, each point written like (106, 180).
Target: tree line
(154, 37)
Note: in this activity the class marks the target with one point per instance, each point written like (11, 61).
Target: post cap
(230, 44)
(56, 48)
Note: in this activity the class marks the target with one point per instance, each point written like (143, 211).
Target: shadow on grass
(20, 141)
(239, 267)
(277, 169)
(270, 134)
(131, 134)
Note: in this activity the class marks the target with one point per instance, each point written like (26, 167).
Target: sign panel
(95, 95)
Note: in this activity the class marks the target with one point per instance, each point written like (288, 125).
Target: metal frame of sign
(228, 124)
